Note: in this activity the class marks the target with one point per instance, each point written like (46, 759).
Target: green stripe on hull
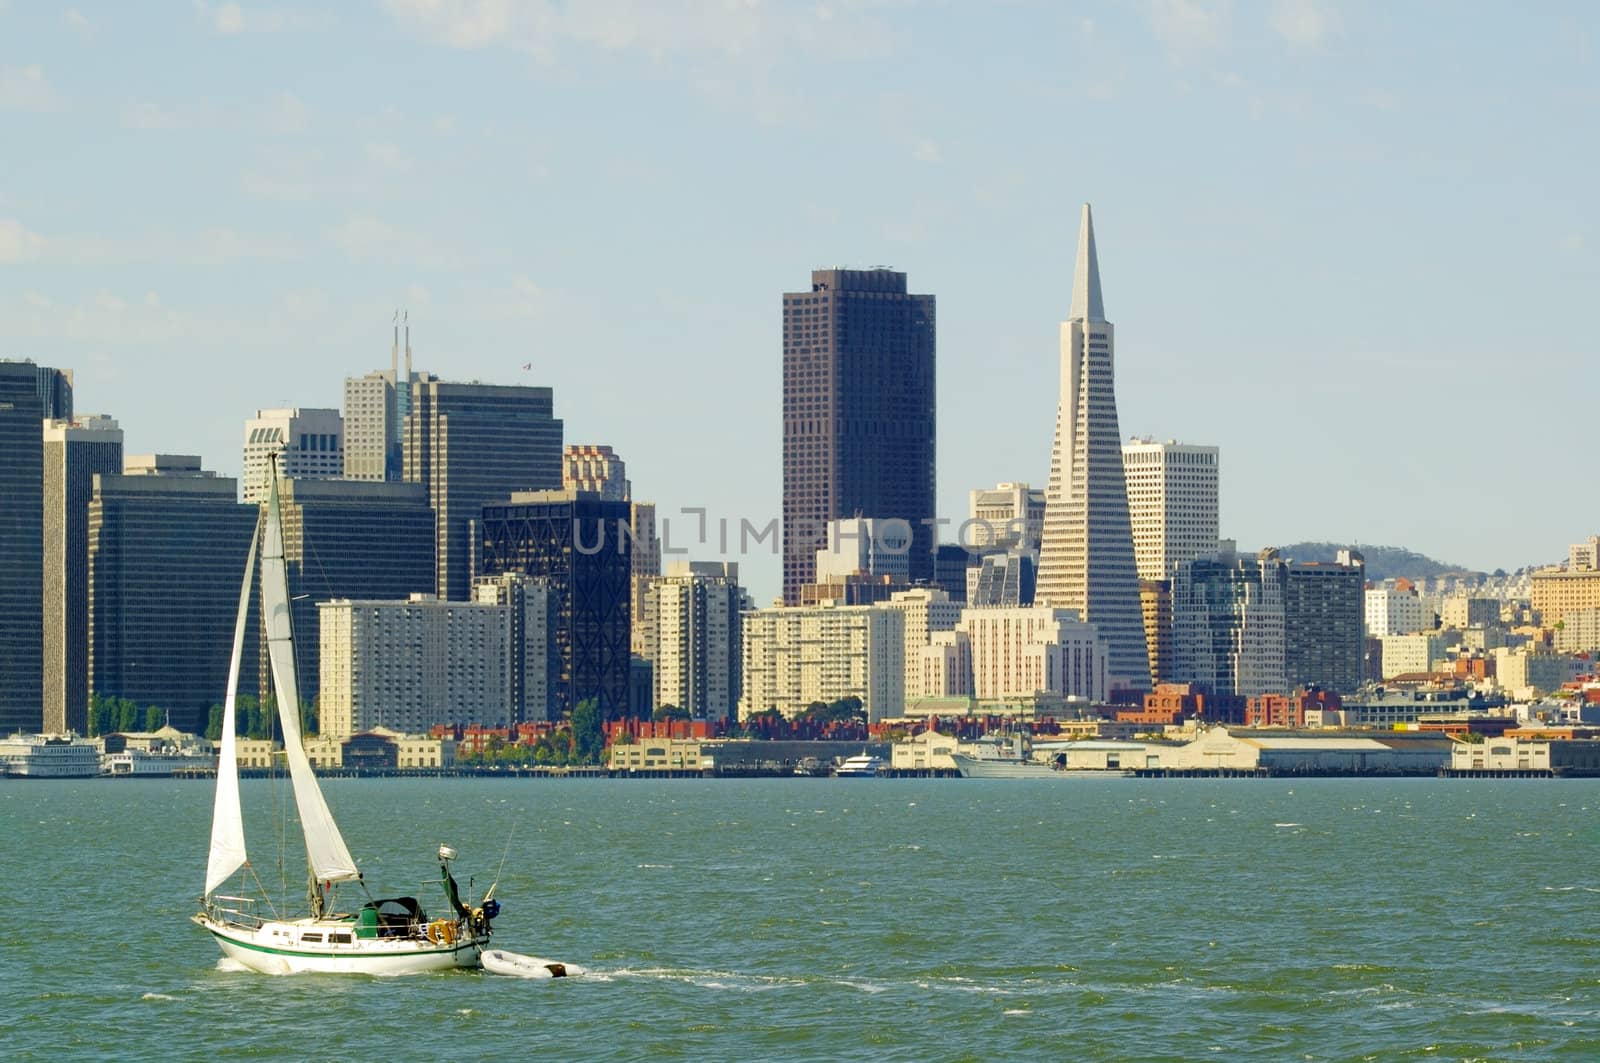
(351, 954)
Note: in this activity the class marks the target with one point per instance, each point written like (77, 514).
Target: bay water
(842, 919)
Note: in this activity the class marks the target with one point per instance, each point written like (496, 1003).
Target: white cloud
(1303, 23)
(77, 21)
(16, 242)
(1380, 99)
(366, 239)
(25, 88)
(1571, 242)
(142, 114)
(925, 150)
(231, 18)
(1185, 26)
(205, 247)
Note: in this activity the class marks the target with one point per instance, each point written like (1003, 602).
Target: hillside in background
(1383, 562)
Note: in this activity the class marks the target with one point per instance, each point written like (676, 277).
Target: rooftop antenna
(408, 349)
(394, 351)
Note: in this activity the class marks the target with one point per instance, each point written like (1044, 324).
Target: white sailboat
(378, 936)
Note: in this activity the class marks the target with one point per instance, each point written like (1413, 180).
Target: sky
(1352, 245)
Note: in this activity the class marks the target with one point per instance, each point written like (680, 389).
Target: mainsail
(227, 821)
(329, 859)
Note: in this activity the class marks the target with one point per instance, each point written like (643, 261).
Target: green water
(847, 919)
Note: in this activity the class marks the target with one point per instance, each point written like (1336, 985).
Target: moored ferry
(49, 757)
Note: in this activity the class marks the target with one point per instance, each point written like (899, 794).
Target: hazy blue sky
(1354, 245)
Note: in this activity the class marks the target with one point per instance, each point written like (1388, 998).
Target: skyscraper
(310, 445)
(28, 395)
(1228, 624)
(474, 443)
(858, 414)
(375, 408)
(167, 545)
(74, 451)
(1086, 559)
(695, 607)
(1172, 503)
(1324, 623)
(587, 467)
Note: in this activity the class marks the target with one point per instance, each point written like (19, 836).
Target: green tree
(154, 718)
(588, 734)
(102, 715)
(214, 724)
(669, 712)
(127, 715)
(310, 716)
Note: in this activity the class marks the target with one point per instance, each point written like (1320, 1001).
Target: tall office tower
(532, 606)
(1172, 503)
(1155, 600)
(408, 665)
(596, 469)
(1086, 559)
(646, 567)
(375, 408)
(310, 444)
(578, 543)
(858, 414)
(474, 443)
(74, 451)
(29, 394)
(1324, 630)
(167, 546)
(1004, 516)
(349, 539)
(697, 642)
(1228, 624)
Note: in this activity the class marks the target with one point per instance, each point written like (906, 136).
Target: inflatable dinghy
(499, 961)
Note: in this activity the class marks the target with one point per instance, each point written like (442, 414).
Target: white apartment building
(1579, 632)
(926, 612)
(1172, 503)
(407, 665)
(586, 467)
(532, 609)
(944, 669)
(1411, 653)
(794, 656)
(1528, 671)
(310, 443)
(1005, 514)
(697, 644)
(1395, 611)
(1017, 653)
(1463, 611)
(868, 546)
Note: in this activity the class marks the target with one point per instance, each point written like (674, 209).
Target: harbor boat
(1004, 758)
(861, 766)
(346, 930)
(515, 964)
(49, 757)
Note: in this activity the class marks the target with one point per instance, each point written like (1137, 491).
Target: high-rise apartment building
(29, 395)
(858, 414)
(1155, 600)
(74, 451)
(1395, 609)
(167, 547)
(1018, 653)
(795, 656)
(1228, 624)
(349, 539)
(646, 567)
(408, 665)
(469, 444)
(1324, 631)
(1086, 559)
(698, 640)
(533, 619)
(1172, 503)
(595, 469)
(578, 544)
(309, 442)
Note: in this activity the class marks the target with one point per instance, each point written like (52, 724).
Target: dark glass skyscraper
(28, 394)
(858, 414)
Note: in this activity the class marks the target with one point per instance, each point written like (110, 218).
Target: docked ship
(862, 766)
(1005, 757)
(49, 757)
(142, 763)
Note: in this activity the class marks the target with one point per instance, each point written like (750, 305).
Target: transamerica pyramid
(1086, 552)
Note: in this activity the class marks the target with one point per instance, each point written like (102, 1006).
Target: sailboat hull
(281, 948)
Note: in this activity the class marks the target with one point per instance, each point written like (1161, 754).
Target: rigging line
(509, 838)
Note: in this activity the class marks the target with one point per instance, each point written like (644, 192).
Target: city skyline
(285, 209)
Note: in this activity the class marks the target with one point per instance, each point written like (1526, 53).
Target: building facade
(1324, 633)
(469, 444)
(1228, 625)
(1004, 516)
(1395, 609)
(698, 641)
(859, 425)
(1172, 503)
(1017, 653)
(167, 548)
(1557, 592)
(29, 395)
(581, 546)
(532, 606)
(646, 567)
(375, 408)
(309, 442)
(1086, 559)
(797, 655)
(408, 665)
(74, 452)
(596, 470)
